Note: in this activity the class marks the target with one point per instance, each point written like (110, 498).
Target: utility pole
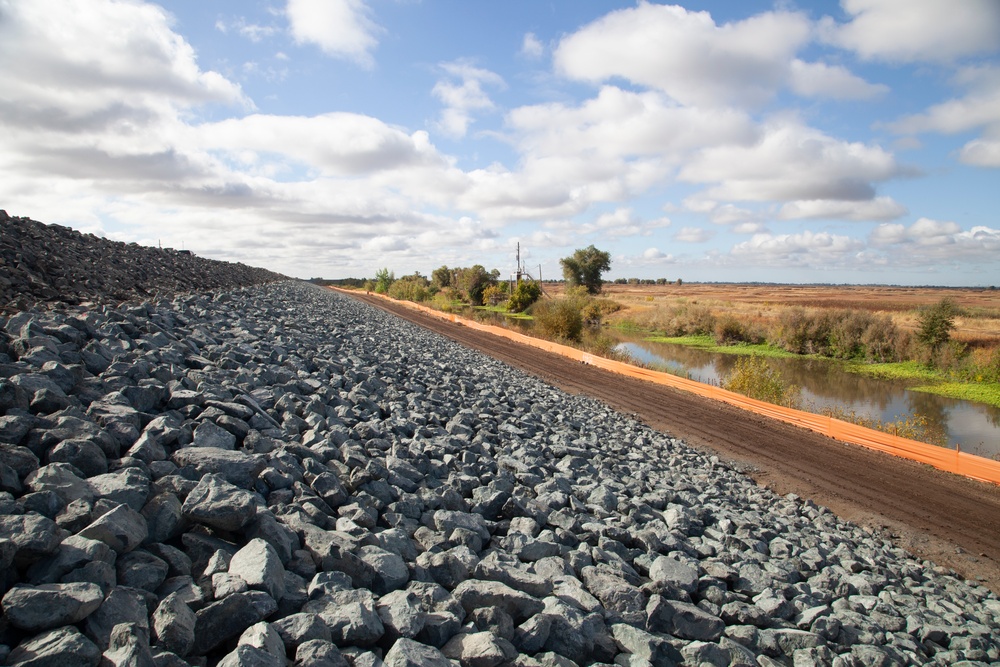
(518, 262)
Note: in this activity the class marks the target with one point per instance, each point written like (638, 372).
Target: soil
(944, 518)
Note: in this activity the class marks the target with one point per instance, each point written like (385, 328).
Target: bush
(559, 319)
(494, 295)
(526, 293)
(383, 279)
(754, 378)
(409, 288)
(936, 323)
(731, 331)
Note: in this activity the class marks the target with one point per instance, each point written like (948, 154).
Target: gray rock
(296, 629)
(63, 647)
(163, 514)
(122, 605)
(351, 617)
(173, 624)
(129, 486)
(390, 571)
(320, 653)
(36, 608)
(128, 647)
(141, 569)
(61, 479)
(235, 467)
(84, 455)
(123, 529)
(209, 434)
(683, 620)
(402, 614)
(228, 618)
(263, 636)
(408, 653)
(674, 572)
(250, 656)
(258, 565)
(219, 504)
(479, 649)
(473, 594)
(652, 648)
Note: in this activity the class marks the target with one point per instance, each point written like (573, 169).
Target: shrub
(558, 318)
(753, 377)
(882, 340)
(731, 331)
(409, 288)
(526, 293)
(383, 279)
(936, 323)
(495, 294)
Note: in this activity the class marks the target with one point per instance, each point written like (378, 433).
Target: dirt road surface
(950, 520)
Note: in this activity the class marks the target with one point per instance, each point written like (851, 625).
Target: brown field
(980, 324)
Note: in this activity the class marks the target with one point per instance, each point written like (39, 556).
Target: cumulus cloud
(693, 235)
(805, 249)
(977, 109)
(252, 31)
(879, 208)
(834, 81)
(928, 240)
(531, 46)
(462, 94)
(790, 161)
(926, 31)
(685, 54)
(340, 28)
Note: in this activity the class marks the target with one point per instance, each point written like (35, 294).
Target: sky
(796, 141)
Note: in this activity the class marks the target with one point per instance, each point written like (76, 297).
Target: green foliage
(753, 377)
(585, 267)
(441, 277)
(494, 295)
(410, 288)
(936, 324)
(731, 331)
(369, 286)
(558, 319)
(383, 279)
(526, 293)
(471, 282)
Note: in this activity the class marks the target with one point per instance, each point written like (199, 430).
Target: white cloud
(252, 31)
(924, 31)
(531, 46)
(879, 208)
(809, 249)
(693, 235)
(834, 81)
(790, 161)
(977, 109)
(340, 28)
(685, 54)
(654, 253)
(465, 96)
(928, 240)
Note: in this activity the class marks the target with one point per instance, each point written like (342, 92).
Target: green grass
(708, 344)
(500, 310)
(901, 370)
(988, 393)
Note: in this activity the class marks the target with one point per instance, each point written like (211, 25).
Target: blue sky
(838, 142)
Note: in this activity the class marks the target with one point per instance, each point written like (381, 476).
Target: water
(975, 427)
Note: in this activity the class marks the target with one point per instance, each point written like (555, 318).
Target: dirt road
(950, 520)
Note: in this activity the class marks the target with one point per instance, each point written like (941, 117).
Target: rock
(250, 656)
(123, 605)
(473, 594)
(408, 653)
(129, 647)
(228, 618)
(210, 435)
(402, 614)
(36, 608)
(674, 572)
(219, 504)
(652, 648)
(296, 629)
(174, 625)
(63, 647)
(258, 565)
(61, 479)
(683, 620)
(479, 649)
(33, 536)
(390, 571)
(141, 569)
(320, 653)
(84, 455)
(351, 617)
(123, 529)
(237, 468)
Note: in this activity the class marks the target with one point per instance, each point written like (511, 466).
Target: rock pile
(279, 475)
(49, 263)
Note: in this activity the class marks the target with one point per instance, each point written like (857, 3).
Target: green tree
(441, 277)
(383, 279)
(473, 281)
(585, 267)
(526, 293)
(936, 324)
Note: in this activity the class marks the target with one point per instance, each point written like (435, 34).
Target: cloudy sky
(787, 141)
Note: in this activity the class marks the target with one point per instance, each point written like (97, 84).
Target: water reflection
(825, 384)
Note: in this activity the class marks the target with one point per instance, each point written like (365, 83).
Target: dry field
(981, 325)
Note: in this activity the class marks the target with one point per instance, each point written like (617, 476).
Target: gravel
(277, 475)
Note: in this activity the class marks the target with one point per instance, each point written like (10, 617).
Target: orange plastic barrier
(942, 458)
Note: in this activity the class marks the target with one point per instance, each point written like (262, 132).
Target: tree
(473, 281)
(585, 267)
(526, 293)
(936, 323)
(441, 277)
(383, 279)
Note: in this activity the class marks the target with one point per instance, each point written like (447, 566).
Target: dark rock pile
(280, 475)
(48, 263)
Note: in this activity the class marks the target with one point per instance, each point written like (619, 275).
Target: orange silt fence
(942, 458)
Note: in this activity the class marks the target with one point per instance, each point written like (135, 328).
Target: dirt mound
(42, 263)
